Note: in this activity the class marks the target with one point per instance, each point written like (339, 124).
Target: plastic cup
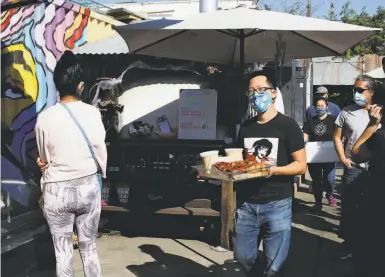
(208, 157)
(235, 153)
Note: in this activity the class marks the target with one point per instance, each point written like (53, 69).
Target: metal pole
(309, 72)
(242, 67)
(242, 50)
(308, 13)
(308, 92)
(208, 5)
(8, 205)
(292, 90)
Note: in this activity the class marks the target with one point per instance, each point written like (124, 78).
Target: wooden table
(228, 206)
(228, 202)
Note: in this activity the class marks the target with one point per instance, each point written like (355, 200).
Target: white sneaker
(346, 256)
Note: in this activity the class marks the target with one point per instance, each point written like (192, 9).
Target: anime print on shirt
(262, 150)
(270, 142)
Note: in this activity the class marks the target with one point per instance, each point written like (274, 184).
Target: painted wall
(33, 38)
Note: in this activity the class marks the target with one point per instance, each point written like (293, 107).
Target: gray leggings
(78, 201)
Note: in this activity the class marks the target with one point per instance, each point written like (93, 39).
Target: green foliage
(297, 7)
(332, 14)
(372, 45)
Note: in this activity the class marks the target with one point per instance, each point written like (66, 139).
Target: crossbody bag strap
(84, 135)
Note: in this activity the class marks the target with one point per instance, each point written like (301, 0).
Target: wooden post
(227, 212)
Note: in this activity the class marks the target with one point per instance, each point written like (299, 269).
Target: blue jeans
(332, 176)
(272, 223)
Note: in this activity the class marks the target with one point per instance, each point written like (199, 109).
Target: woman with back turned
(70, 138)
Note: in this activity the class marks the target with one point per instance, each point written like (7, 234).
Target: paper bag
(321, 152)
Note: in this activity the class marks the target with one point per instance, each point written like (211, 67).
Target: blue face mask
(261, 101)
(359, 99)
(321, 111)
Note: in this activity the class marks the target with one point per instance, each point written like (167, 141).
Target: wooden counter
(228, 204)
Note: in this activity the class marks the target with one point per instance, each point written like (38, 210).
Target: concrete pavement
(173, 247)
(313, 252)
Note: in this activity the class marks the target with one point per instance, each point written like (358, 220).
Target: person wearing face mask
(70, 138)
(265, 204)
(333, 109)
(321, 128)
(350, 124)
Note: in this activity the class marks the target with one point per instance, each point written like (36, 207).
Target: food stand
(225, 37)
(151, 168)
(150, 163)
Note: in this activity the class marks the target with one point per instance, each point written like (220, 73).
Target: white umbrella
(242, 35)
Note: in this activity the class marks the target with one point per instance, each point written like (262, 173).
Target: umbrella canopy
(242, 35)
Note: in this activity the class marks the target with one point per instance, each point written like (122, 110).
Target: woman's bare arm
(369, 131)
(376, 117)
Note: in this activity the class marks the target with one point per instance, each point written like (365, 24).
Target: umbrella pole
(242, 70)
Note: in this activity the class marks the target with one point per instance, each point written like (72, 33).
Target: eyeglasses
(260, 90)
(359, 90)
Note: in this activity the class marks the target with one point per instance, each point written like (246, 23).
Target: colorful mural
(33, 38)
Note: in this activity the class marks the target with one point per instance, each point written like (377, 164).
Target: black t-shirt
(379, 95)
(320, 130)
(376, 145)
(272, 142)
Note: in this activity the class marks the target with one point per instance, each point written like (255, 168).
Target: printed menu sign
(197, 114)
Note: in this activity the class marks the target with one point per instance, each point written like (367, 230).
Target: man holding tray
(265, 204)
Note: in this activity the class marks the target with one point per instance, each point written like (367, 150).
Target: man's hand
(41, 199)
(201, 176)
(41, 202)
(375, 113)
(272, 171)
(42, 165)
(347, 163)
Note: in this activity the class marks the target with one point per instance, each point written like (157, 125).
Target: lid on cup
(233, 149)
(209, 153)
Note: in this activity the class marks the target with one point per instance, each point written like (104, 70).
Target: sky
(321, 7)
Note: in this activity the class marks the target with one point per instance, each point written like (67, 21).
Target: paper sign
(321, 152)
(197, 114)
